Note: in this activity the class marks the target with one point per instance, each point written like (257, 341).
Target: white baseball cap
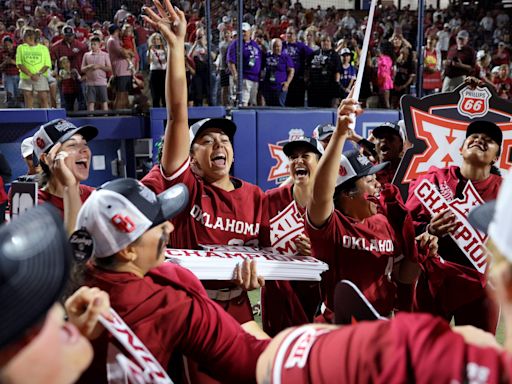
(27, 147)
(122, 210)
(227, 126)
(493, 218)
(246, 27)
(354, 165)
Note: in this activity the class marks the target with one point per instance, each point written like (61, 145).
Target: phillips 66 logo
(474, 102)
(279, 172)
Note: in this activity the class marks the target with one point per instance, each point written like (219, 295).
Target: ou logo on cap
(40, 142)
(343, 171)
(123, 223)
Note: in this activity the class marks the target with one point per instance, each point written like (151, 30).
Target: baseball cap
(487, 127)
(27, 147)
(7, 38)
(313, 144)
(345, 51)
(446, 25)
(493, 218)
(323, 131)
(354, 165)
(495, 70)
(120, 211)
(246, 27)
(480, 54)
(112, 28)
(388, 127)
(58, 131)
(226, 125)
(463, 34)
(35, 258)
(68, 31)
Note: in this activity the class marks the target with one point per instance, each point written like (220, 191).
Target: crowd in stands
(292, 56)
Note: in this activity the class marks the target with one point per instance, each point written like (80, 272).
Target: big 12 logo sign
(436, 127)
(279, 172)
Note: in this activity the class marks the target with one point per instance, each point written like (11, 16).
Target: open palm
(170, 21)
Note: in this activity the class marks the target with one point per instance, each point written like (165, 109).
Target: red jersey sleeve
(324, 239)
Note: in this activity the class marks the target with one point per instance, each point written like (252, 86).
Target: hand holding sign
(442, 223)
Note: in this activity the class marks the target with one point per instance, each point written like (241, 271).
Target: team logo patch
(63, 126)
(436, 127)
(474, 102)
(343, 171)
(123, 223)
(279, 172)
(40, 143)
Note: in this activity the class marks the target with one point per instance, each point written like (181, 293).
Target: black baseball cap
(227, 126)
(68, 31)
(122, 210)
(58, 131)
(354, 165)
(323, 131)
(113, 28)
(487, 127)
(389, 127)
(313, 144)
(35, 259)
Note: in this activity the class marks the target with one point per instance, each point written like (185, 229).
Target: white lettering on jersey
(372, 245)
(224, 224)
(301, 348)
(285, 227)
(477, 374)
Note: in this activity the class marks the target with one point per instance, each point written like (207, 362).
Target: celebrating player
(163, 303)
(411, 348)
(222, 210)
(370, 245)
(451, 286)
(286, 303)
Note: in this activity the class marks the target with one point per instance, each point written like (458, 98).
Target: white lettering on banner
(372, 245)
(153, 371)
(285, 227)
(224, 224)
(300, 351)
(177, 254)
(468, 239)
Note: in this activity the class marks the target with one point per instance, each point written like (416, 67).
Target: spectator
(121, 14)
(324, 73)
(33, 168)
(299, 53)
(141, 39)
(348, 22)
(252, 57)
(10, 72)
(278, 74)
(128, 44)
(310, 34)
(51, 75)
(33, 61)
(157, 53)
(74, 50)
(76, 21)
(460, 62)
(502, 55)
(385, 73)
(432, 81)
(348, 72)
(222, 65)
(482, 70)
(198, 53)
(122, 74)
(503, 82)
(404, 75)
(95, 65)
(487, 24)
(69, 83)
(443, 40)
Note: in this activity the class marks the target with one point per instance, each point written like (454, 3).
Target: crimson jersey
(363, 252)
(286, 303)
(214, 216)
(169, 311)
(411, 348)
(454, 275)
(58, 202)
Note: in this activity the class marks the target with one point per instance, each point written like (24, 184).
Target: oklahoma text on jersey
(224, 224)
(371, 245)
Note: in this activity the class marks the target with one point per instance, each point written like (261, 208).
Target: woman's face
(150, 247)
(58, 354)
(212, 155)
(480, 150)
(368, 186)
(79, 156)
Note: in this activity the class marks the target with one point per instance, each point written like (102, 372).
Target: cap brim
(172, 202)
(376, 168)
(491, 130)
(35, 258)
(88, 132)
(376, 132)
(290, 146)
(226, 125)
(481, 216)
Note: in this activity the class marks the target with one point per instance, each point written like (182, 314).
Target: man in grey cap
(459, 63)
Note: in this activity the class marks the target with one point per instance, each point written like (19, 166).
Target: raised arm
(171, 23)
(320, 206)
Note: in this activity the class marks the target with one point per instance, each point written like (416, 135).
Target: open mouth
(219, 160)
(301, 172)
(481, 147)
(81, 164)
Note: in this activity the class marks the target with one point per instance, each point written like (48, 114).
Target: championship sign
(436, 127)
(279, 171)
(468, 239)
(285, 227)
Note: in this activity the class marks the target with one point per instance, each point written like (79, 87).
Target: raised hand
(58, 166)
(347, 108)
(170, 22)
